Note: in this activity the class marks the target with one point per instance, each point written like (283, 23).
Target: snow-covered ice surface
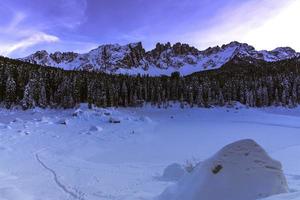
(67, 154)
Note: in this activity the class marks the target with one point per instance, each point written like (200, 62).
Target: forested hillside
(255, 83)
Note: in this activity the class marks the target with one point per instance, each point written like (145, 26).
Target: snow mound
(145, 119)
(12, 193)
(173, 172)
(95, 129)
(289, 196)
(240, 171)
(4, 126)
(46, 120)
(16, 120)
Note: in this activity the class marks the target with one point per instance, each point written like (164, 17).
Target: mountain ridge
(164, 59)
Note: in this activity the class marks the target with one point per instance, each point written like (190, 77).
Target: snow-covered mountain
(162, 60)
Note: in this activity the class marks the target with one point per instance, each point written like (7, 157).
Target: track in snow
(79, 196)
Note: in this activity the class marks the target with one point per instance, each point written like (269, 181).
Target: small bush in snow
(190, 165)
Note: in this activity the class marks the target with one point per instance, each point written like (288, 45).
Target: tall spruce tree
(10, 92)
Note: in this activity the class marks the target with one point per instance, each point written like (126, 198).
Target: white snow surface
(241, 170)
(43, 159)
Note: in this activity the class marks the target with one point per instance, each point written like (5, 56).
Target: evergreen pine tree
(28, 100)
(10, 92)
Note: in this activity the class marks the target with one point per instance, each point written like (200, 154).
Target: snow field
(89, 158)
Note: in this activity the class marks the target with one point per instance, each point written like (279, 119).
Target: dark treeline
(255, 84)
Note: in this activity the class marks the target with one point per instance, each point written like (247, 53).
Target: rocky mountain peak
(178, 49)
(284, 52)
(59, 57)
(41, 54)
(184, 49)
(162, 60)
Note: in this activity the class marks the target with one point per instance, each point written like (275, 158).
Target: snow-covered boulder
(107, 113)
(77, 113)
(173, 172)
(240, 171)
(114, 120)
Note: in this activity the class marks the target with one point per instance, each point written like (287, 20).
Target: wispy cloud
(18, 17)
(17, 38)
(279, 30)
(41, 23)
(33, 39)
(259, 22)
(76, 25)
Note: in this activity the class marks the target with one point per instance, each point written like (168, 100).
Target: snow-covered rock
(62, 121)
(16, 120)
(240, 171)
(173, 172)
(114, 120)
(77, 113)
(106, 113)
(164, 59)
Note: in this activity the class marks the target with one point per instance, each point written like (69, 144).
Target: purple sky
(80, 25)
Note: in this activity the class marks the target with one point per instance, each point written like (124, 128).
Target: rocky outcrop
(58, 57)
(135, 55)
(165, 55)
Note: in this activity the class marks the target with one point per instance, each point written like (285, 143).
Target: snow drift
(240, 171)
(289, 196)
(173, 172)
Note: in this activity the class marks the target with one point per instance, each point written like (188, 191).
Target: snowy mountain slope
(162, 60)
